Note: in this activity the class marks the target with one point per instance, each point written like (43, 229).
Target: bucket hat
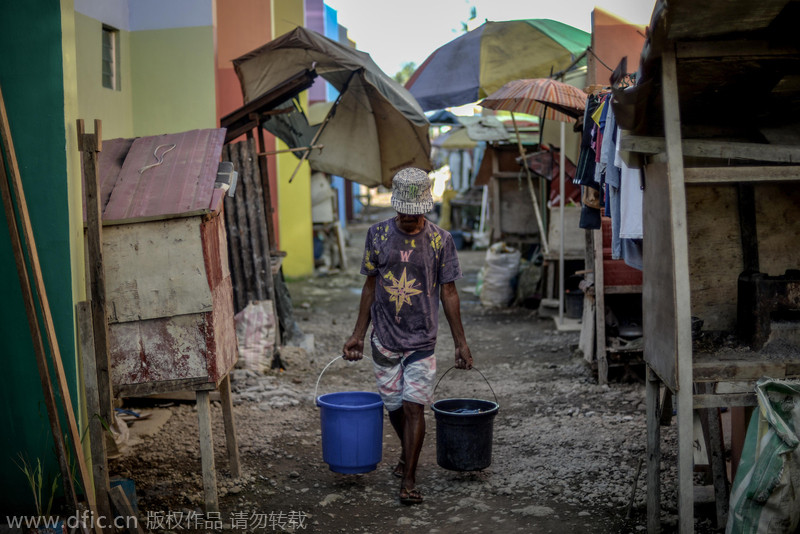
(411, 192)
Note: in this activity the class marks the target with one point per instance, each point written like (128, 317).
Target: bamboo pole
(539, 223)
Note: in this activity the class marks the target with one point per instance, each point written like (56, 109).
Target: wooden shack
(715, 114)
(168, 292)
(168, 286)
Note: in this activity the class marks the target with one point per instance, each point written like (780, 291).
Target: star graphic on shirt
(401, 291)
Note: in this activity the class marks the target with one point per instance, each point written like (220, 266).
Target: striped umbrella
(475, 64)
(543, 97)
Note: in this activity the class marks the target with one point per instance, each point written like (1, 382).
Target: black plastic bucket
(464, 431)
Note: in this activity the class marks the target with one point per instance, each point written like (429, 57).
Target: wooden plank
(712, 430)
(167, 174)
(207, 452)
(681, 295)
(152, 218)
(152, 388)
(90, 146)
(516, 215)
(574, 236)
(600, 309)
(713, 371)
(725, 387)
(8, 157)
(704, 148)
(263, 218)
(778, 225)
(719, 401)
(125, 510)
(652, 386)
(154, 270)
(756, 173)
(268, 207)
(231, 440)
(715, 254)
(245, 243)
(658, 302)
(732, 50)
(586, 341)
(239, 121)
(747, 226)
(185, 395)
(97, 439)
(163, 349)
(497, 231)
(259, 254)
(623, 290)
(229, 153)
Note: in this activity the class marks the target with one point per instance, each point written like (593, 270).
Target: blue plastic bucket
(352, 430)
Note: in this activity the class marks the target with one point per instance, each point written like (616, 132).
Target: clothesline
(607, 183)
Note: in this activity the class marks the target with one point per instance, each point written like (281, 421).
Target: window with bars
(111, 58)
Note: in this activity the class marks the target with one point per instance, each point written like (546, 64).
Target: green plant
(35, 477)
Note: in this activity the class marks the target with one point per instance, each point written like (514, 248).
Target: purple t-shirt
(410, 270)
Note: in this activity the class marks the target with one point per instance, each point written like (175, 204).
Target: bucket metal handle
(323, 372)
(475, 369)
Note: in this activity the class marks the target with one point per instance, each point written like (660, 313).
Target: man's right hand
(353, 349)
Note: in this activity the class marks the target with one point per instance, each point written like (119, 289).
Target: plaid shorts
(403, 376)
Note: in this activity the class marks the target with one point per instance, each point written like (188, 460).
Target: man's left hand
(463, 358)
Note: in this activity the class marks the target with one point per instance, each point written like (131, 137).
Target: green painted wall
(32, 81)
(113, 107)
(173, 80)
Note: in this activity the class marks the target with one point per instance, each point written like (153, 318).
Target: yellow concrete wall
(113, 107)
(173, 87)
(294, 199)
(75, 195)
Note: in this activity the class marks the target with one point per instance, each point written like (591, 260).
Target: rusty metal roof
(160, 176)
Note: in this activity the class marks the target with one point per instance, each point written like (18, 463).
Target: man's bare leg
(413, 437)
(398, 423)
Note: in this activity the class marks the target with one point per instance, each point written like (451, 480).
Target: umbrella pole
(313, 141)
(322, 126)
(539, 222)
(484, 207)
(561, 226)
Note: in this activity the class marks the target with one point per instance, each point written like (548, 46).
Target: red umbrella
(544, 97)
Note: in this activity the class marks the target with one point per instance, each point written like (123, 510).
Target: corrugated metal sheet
(163, 175)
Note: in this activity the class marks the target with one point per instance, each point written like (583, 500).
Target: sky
(395, 33)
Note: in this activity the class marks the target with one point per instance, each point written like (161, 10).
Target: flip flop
(412, 496)
(400, 469)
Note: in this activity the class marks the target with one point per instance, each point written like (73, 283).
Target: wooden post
(712, 433)
(124, 509)
(96, 436)
(90, 145)
(681, 296)
(653, 452)
(33, 320)
(600, 308)
(207, 452)
(231, 440)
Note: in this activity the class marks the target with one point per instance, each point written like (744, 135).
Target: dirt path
(565, 456)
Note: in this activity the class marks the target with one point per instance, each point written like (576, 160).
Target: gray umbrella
(374, 129)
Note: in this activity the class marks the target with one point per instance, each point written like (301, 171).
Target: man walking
(410, 264)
